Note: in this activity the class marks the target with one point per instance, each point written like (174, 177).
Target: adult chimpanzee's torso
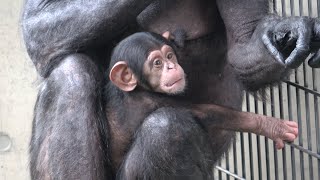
(204, 56)
(210, 78)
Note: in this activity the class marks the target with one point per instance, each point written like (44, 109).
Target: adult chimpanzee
(231, 46)
(144, 74)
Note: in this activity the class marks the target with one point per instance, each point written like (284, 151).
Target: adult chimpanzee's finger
(301, 51)
(302, 28)
(314, 61)
(297, 56)
(267, 40)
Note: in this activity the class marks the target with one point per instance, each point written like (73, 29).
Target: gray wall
(17, 95)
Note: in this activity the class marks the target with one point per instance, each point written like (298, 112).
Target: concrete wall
(17, 95)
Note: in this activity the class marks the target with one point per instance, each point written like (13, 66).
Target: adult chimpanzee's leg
(54, 29)
(66, 140)
(168, 145)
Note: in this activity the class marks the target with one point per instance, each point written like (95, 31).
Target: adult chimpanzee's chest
(196, 17)
(203, 58)
(211, 79)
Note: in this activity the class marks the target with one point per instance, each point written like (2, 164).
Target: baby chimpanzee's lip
(169, 85)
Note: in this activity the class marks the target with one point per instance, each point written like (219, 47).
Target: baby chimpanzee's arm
(218, 117)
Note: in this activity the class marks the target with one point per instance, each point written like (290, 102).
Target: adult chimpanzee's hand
(291, 40)
(315, 45)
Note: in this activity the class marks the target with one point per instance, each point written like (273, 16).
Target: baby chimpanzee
(155, 135)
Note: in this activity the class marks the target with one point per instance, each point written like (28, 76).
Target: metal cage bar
(255, 157)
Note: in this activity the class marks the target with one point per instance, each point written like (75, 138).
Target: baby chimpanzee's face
(163, 72)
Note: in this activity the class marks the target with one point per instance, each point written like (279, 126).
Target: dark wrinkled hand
(291, 40)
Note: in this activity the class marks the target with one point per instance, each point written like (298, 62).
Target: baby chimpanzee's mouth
(171, 84)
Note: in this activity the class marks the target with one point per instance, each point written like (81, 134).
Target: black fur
(166, 139)
(231, 50)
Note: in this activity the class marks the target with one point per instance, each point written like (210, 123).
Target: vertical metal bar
(293, 159)
(309, 8)
(300, 126)
(318, 4)
(235, 162)
(214, 173)
(258, 140)
(292, 8)
(307, 108)
(266, 145)
(274, 149)
(219, 172)
(227, 165)
(250, 142)
(283, 4)
(318, 129)
(316, 109)
(300, 7)
(284, 163)
(243, 156)
(251, 157)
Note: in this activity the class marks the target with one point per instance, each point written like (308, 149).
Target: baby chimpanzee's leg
(169, 145)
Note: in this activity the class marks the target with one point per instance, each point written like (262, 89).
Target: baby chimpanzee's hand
(278, 130)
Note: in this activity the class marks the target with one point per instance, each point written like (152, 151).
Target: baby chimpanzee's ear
(122, 77)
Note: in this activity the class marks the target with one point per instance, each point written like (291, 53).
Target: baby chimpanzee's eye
(157, 62)
(169, 55)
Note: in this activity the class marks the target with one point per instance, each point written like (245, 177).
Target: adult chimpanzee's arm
(53, 29)
(261, 45)
(217, 117)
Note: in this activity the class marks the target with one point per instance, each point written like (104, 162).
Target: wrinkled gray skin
(231, 46)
